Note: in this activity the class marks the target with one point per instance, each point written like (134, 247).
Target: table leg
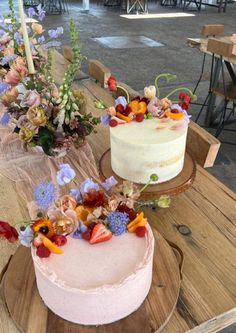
(212, 98)
(231, 71)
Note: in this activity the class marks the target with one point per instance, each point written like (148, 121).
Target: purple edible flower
(5, 119)
(26, 236)
(117, 222)
(4, 87)
(105, 119)
(44, 194)
(53, 43)
(88, 185)
(18, 38)
(121, 100)
(55, 33)
(80, 230)
(5, 60)
(109, 183)
(31, 12)
(76, 195)
(41, 13)
(41, 39)
(65, 175)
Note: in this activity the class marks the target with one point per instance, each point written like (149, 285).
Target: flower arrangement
(92, 212)
(151, 105)
(41, 113)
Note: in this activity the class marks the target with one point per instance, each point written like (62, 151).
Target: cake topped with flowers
(91, 246)
(148, 134)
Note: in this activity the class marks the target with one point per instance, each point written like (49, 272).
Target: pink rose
(13, 77)
(31, 99)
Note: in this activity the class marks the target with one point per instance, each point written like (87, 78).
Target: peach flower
(8, 51)
(111, 111)
(26, 134)
(5, 39)
(63, 223)
(165, 104)
(36, 116)
(66, 202)
(20, 66)
(10, 96)
(37, 28)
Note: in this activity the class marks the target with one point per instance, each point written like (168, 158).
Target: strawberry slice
(100, 234)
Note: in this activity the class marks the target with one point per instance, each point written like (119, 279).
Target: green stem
(179, 89)
(167, 76)
(27, 222)
(145, 186)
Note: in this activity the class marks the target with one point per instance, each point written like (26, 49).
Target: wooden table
(202, 222)
(229, 60)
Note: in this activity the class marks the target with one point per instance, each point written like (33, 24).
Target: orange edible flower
(43, 226)
(121, 116)
(174, 116)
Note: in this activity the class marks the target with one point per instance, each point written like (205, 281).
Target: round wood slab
(31, 315)
(172, 187)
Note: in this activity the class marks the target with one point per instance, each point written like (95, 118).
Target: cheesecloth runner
(28, 168)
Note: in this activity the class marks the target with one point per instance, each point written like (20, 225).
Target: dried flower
(31, 99)
(63, 223)
(26, 134)
(150, 92)
(37, 28)
(36, 116)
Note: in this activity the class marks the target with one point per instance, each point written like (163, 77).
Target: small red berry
(113, 123)
(87, 235)
(43, 251)
(59, 240)
(174, 111)
(120, 108)
(139, 117)
(140, 231)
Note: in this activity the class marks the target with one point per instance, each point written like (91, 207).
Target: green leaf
(46, 140)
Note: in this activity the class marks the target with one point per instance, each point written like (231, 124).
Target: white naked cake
(140, 149)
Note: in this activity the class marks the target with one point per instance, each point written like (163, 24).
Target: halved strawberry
(100, 234)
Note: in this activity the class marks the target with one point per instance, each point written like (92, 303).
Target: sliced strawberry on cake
(100, 234)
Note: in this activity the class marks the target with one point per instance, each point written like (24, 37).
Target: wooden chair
(200, 144)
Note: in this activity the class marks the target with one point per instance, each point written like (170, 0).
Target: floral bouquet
(92, 212)
(40, 113)
(168, 113)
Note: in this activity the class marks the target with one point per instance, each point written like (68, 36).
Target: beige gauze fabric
(28, 168)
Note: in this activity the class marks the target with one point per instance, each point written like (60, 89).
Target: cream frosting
(141, 149)
(115, 272)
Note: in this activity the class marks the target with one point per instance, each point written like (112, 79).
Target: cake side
(141, 149)
(108, 302)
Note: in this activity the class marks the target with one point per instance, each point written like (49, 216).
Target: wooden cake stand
(30, 315)
(172, 187)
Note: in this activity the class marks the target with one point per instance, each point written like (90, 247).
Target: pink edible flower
(31, 99)
(12, 77)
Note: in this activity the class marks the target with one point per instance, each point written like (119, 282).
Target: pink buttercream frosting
(113, 277)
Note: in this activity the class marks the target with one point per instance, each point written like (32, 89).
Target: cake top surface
(107, 264)
(147, 132)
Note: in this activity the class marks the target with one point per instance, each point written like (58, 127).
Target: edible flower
(117, 222)
(43, 226)
(8, 232)
(150, 92)
(65, 175)
(112, 83)
(26, 236)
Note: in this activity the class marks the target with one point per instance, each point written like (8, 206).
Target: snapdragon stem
(145, 186)
(179, 89)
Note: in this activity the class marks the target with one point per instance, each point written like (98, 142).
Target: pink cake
(97, 284)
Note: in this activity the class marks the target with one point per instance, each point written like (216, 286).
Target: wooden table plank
(207, 209)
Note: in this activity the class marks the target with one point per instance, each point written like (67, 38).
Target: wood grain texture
(207, 209)
(172, 187)
(202, 145)
(31, 315)
(99, 72)
(212, 30)
(220, 47)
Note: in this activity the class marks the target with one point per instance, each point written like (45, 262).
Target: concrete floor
(139, 66)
